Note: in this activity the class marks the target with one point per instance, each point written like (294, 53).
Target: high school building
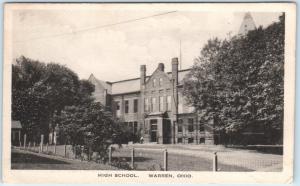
(153, 106)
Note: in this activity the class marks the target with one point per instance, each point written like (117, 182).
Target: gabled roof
(16, 124)
(105, 85)
(157, 70)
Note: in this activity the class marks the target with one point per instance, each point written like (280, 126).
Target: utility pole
(176, 111)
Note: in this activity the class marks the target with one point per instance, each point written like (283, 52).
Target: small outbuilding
(16, 128)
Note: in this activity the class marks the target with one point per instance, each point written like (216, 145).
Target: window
(146, 104)
(126, 106)
(190, 124)
(153, 123)
(180, 104)
(201, 128)
(135, 127)
(179, 128)
(118, 105)
(153, 127)
(154, 82)
(135, 105)
(130, 125)
(118, 112)
(160, 81)
(161, 103)
(169, 107)
(179, 140)
(190, 140)
(202, 140)
(153, 104)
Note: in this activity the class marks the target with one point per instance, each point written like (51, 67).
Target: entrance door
(166, 131)
(153, 123)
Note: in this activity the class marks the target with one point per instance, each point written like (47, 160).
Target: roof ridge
(112, 82)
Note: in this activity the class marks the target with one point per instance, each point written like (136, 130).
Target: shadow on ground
(33, 159)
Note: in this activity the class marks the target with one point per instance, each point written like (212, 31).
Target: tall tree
(26, 107)
(239, 83)
(39, 90)
(48, 96)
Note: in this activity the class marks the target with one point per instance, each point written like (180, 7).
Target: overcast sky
(116, 52)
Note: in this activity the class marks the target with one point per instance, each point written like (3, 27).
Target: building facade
(154, 107)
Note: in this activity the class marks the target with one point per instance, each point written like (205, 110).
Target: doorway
(153, 123)
(166, 131)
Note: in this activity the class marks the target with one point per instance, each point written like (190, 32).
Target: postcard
(148, 92)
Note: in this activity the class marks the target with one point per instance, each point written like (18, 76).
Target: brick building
(153, 106)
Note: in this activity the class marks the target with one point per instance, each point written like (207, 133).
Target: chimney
(161, 67)
(175, 70)
(143, 74)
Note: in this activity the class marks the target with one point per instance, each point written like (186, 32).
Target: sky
(115, 52)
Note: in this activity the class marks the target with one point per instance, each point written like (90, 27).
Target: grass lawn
(32, 161)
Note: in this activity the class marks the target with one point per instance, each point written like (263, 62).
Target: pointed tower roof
(247, 24)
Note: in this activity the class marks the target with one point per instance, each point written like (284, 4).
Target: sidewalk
(249, 159)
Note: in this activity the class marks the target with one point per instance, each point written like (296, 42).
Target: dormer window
(160, 81)
(154, 82)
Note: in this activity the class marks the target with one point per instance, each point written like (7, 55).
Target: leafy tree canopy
(39, 90)
(46, 97)
(239, 81)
